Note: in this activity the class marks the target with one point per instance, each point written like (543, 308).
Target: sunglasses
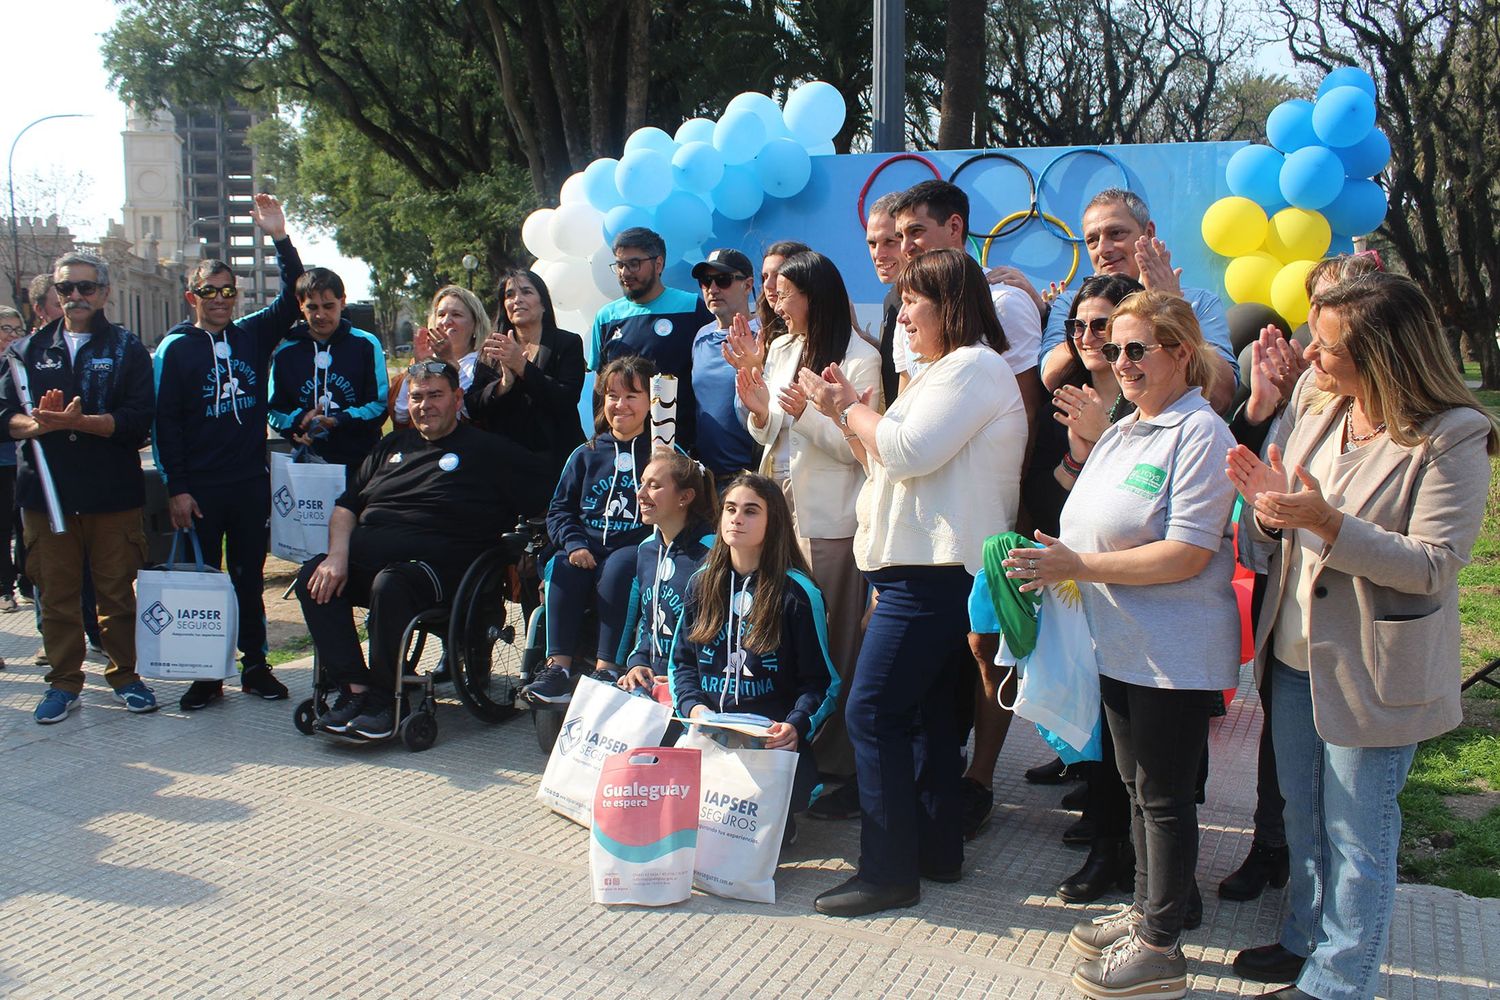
(85, 288)
(1135, 351)
(631, 264)
(720, 280)
(423, 369)
(225, 292)
(1096, 326)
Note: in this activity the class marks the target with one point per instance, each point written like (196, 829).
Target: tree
(963, 75)
(1434, 66)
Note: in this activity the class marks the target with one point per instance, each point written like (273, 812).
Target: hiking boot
(1130, 969)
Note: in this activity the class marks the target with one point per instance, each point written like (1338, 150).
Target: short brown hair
(1173, 324)
(952, 280)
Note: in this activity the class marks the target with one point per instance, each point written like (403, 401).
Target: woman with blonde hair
(456, 322)
(1145, 535)
(1369, 504)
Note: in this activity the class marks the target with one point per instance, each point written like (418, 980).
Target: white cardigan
(949, 473)
(826, 477)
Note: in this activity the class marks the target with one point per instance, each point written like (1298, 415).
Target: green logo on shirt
(1145, 480)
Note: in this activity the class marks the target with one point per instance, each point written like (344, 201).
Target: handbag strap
(197, 549)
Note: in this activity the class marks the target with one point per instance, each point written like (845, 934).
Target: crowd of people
(814, 550)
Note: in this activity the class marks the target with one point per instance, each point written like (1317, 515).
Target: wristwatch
(844, 414)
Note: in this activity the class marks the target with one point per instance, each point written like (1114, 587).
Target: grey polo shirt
(1148, 480)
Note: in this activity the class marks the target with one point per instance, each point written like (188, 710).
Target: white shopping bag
(1059, 681)
(602, 721)
(741, 818)
(645, 827)
(187, 620)
(302, 496)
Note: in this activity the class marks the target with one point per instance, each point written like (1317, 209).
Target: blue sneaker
(137, 697)
(55, 706)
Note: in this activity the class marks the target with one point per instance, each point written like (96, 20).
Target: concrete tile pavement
(223, 854)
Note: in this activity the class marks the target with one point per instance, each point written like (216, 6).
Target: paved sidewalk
(223, 854)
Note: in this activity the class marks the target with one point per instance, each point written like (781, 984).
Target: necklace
(1353, 440)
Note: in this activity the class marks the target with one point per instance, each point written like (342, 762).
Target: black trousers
(395, 594)
(1160, 737)
(235, 523)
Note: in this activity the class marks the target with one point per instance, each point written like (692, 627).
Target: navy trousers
(902, 724)
(570, 591)
(236, 519)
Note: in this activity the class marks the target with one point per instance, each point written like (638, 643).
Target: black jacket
(112, 374)
(540, 412)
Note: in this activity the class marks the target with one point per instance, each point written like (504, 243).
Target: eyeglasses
(225, 292)
(427, 369)
(1135, 351)
(85, 288)
(11, 331)
(720, 280)
(631, 264)
(1096, 326)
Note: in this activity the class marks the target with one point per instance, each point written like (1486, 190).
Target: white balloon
(572, 285)
(577, 229)
(572, 190)
(605, 281)
(536, 235)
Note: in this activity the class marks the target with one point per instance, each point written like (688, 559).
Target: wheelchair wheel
(549, 723)
(484, 655)
(304, 716)
(419, 731)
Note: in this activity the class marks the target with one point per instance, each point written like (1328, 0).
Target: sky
(91, 146)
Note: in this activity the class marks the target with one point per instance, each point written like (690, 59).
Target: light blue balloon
(1368, 156)
(697, 166)
(651, 137)
(763, 107)
(1289, 125)
(814, 112)
(644, 177)
(739, 135)
(783, 167)
(822, 149)
(599, 184)
(1311, 177)
(694, 130)
(1359, 208)
(623, 217)
(1340, 245)
(1343, 116)
(683, 218)
(1348, 76)
(1255, 173)
(739, 194)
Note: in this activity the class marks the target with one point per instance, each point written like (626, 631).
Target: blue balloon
(1289, 126)
(1311, 177)
(599, 184)
(1359, 208)
(814, 112)
(694, 130)
(739, 135)
(1343, 116)
(783, 167)
(1255, 173)
(623, 217)
(1368, 156)
(822, 149)
(697, 166)
(684, 219)
(1348, 76)
(739, 195)
(1340, 245)
(651, 137)
(644, 177)
(763, 107)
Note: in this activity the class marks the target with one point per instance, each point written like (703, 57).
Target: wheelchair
(478, 631)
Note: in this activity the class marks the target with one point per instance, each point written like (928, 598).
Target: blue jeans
(1343, 827)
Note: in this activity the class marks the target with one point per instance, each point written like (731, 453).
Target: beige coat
(1383, 626)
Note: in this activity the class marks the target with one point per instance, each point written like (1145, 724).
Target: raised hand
(830, 392)
(267, 213)
(1155, 262)
(421, 344)
(751, 387)
(744, 348)
(1252, 477)
(1080, 409)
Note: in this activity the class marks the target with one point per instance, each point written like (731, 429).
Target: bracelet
(1073, 466)
(851, 437)
(844, 413)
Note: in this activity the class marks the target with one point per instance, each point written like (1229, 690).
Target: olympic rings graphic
(859, 208)
(1036, 203)
(1025, 216)
(1030, 190)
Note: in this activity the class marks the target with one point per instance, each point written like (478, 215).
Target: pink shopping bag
(645, 826)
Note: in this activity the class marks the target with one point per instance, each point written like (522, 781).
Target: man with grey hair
(91, 386)
(1121, 239)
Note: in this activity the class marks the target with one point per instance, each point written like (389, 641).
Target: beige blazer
(826, 477)
(1383, 623)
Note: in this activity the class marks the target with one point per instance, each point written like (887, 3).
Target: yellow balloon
(1234, 226)
(1289, 291)
(1248, 278)
(1297, 234)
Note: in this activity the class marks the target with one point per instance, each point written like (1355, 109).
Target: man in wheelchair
(426, 502)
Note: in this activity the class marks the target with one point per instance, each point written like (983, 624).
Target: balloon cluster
(675, 184)
(1308, 191)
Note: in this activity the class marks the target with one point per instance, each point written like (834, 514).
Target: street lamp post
(471, 263)
(15, 231)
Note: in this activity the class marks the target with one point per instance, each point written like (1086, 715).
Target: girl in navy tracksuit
(677, 498)
(595, 523)
(754, 635)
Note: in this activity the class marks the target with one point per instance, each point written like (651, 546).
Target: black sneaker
(344, 710)
(201, 694)
(608, 675)
(843, 803)
(553, 686)
(258, 680)
(377, 718)
(978, 805)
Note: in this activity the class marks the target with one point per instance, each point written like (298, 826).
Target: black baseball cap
(724, 261)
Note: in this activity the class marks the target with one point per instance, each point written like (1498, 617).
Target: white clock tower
(155, 200)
